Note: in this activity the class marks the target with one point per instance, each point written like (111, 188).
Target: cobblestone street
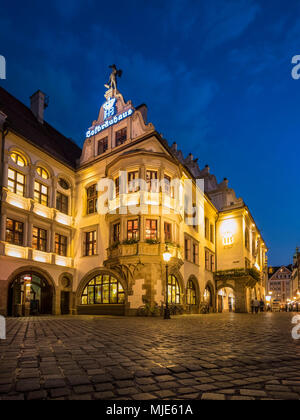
(218, 356)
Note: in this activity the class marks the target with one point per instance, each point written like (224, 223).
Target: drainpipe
(4, 131)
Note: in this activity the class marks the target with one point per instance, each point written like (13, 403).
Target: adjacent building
(280, 285)
(84, 231)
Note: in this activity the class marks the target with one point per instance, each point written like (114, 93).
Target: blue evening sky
(215, 74)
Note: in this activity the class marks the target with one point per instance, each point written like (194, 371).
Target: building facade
(280, 284)
(84, 231)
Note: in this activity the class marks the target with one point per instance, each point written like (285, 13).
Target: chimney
(174, 147)
(38, 103)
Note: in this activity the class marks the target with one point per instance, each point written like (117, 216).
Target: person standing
(256, 305)
(262, 306)
(252, 306)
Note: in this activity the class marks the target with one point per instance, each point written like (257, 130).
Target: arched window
(18, 159)
(64, 184)
(191, 293)
(173, 290)
(103, 289)
(42, 173)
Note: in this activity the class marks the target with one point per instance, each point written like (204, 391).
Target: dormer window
(42, 173)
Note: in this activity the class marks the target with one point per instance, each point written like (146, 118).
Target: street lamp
(167, 257)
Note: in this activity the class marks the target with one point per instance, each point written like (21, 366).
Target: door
(65, 303)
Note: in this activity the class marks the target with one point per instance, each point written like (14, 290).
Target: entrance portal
(226, 300)
(30, 294)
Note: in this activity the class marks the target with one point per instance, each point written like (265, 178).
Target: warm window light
(167, 255)
(228, 238)
(18, 159)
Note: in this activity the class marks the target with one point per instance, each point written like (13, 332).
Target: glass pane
(91, 295)
(92, 282)
(20, 178)
(105, 279)
(106, 293)
(44, 190)
(120, 288)
(11, 174)
(98, 294)
(113, 293)
(20, 189)
(84, 300)
(98, 280)
(85, 292)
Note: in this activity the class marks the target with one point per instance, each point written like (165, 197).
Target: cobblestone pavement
(217, 356)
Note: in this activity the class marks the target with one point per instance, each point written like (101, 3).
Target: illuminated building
(60, 254)
(280, 283)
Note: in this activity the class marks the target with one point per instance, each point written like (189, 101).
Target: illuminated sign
(109, 117)
(109, 108)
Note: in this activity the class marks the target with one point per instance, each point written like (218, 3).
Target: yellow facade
(112, 262)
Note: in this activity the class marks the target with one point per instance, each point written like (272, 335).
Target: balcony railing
(142, 248)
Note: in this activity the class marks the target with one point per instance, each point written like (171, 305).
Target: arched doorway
(226, 300)
(208, 296)
(192, 295)
(30, 294)
(102, 294)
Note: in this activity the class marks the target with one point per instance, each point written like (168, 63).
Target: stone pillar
(240, 298)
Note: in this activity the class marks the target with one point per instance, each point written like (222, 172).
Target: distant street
(218, 356)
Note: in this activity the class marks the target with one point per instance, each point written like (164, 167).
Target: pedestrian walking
(262, 306)
(256, 305)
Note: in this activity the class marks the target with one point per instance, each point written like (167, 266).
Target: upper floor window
(195, 253)
(39, 239)
(133, 229)
(168, 232)
(91, 199)
(42, 173)
(206, 227)
(90, 243)
(16, 182)
(187, 249)
(63, 184)
(133, 185)
(102, 146)
(151, 230)
(41, 193)
(121, 136)
(117, 187)
(18, 159)
(247, 238)
(62, 202)
(116, 232)
(168, 188)
(152, 181)
(61, 243)
(14, 232)
(212, 233)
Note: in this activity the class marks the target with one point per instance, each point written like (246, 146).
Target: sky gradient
(216, 76)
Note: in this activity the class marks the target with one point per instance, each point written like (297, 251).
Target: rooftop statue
(112, 83)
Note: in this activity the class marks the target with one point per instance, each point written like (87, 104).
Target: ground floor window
(208, 296)
(103, 289)
(173, 290)
(191, 293)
